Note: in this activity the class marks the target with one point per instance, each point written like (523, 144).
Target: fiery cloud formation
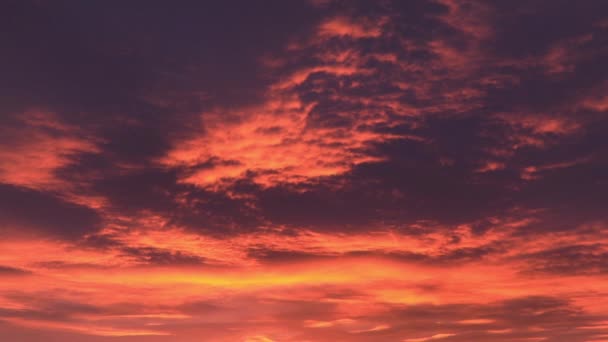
(428, 170)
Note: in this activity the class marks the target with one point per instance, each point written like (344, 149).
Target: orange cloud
(430, 338)
(274, 142)
(344, 26)
(38, 148)
(356, 293)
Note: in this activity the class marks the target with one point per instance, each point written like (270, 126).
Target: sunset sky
(304, 171)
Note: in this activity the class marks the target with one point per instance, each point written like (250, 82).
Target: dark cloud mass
(319, 170)
(24, 209)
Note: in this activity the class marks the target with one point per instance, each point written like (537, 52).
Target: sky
(292, 171)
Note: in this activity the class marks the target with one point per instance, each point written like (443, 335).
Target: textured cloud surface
(426, 170)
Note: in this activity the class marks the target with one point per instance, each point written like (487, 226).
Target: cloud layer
(304, 171)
